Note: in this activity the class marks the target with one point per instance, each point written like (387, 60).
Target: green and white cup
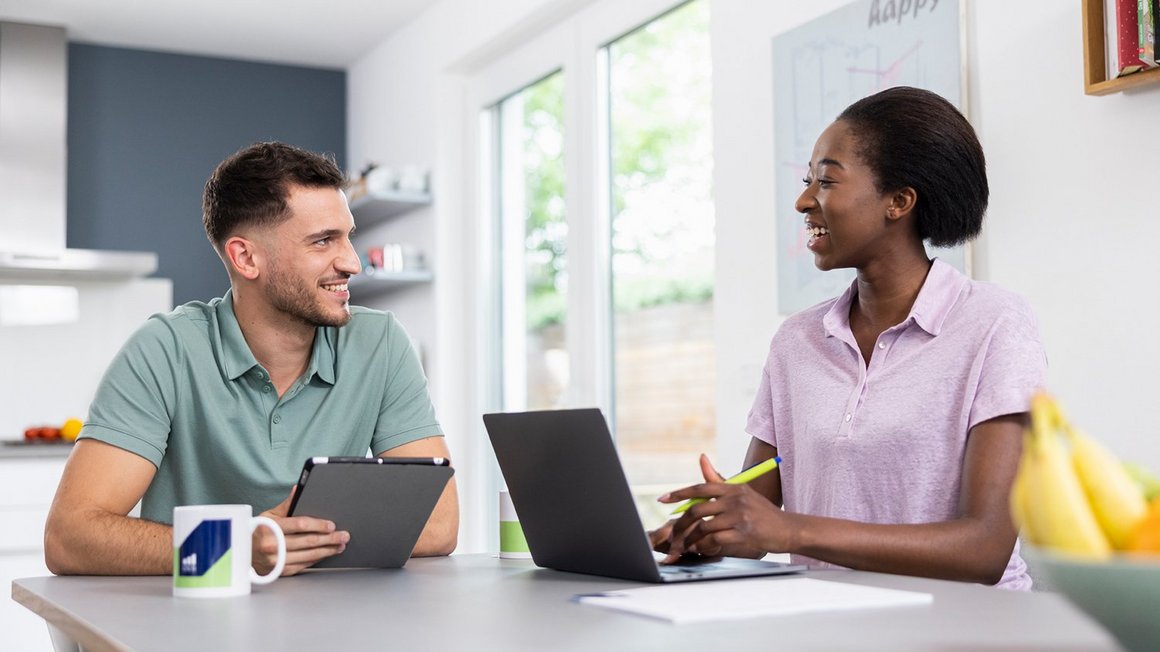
(212, 550)
(512, 544)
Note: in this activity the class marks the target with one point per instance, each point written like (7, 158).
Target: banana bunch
(1148, 481)
(1075, 497)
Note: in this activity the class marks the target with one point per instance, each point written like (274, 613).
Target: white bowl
(1122, 593)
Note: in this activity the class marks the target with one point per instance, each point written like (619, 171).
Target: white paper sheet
(734, 599)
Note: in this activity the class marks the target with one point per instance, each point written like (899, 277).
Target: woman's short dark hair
(914, 138)
(252, 186)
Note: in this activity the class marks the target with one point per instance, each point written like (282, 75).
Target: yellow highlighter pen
(748, 475)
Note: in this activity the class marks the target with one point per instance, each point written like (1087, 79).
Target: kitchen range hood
(64, 264)
(33, 127)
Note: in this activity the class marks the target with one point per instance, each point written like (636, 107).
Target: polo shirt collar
(837, 318)
(237, 359)
(931, 307)
(937, 297)
(325, 352)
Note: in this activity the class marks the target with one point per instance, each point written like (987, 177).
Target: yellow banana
(1148, 482)
(1115, 497)
(1055, 508)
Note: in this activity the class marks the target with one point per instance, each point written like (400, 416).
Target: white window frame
(576, 46)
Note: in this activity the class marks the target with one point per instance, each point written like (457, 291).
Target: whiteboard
(822, 67)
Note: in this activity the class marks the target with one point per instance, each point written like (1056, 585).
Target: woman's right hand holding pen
(744, 523)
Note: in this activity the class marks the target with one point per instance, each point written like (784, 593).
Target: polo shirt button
(277, 419)
(266, 388)
(849, 416)
(882, 345)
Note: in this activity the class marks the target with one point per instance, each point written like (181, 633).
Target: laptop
(575, 507)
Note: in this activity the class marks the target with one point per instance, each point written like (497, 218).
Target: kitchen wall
(145, 130)
(1073, 195)
(52, 369)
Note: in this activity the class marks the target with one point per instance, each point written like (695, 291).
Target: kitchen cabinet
(27, 484)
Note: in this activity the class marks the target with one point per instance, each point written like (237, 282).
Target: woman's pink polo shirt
(884, 442)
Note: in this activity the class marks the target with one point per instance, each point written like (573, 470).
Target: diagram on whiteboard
(821, 68)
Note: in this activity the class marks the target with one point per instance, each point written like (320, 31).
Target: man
(221, 402)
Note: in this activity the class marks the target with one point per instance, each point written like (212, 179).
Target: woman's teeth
(816, 231)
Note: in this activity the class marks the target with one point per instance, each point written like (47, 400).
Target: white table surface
(479, 602)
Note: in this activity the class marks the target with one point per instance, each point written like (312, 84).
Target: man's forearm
(441, 534)
(101, 543)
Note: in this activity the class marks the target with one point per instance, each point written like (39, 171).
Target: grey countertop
(17, 449)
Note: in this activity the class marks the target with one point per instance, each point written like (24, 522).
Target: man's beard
(289, 296)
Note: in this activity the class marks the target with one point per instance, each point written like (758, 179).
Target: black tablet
(384, 502)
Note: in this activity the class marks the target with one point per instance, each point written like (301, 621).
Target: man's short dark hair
(251, 187)
(914, 138)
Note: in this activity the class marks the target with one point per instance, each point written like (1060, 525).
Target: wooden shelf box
(1095, 73)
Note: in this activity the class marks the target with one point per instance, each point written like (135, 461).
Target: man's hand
(308, 540)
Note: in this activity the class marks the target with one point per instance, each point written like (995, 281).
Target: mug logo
(204, 558)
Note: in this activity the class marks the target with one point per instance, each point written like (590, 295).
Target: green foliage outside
(545, 243)
(661, 172)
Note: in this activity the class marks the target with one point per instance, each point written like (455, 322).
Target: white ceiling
(319, 33)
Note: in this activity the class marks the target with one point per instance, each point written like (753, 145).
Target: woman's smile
(817, 234)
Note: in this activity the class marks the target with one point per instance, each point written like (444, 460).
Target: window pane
(534, 233)
(662, 245)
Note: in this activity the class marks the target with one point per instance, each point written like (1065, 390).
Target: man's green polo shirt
(186, 393)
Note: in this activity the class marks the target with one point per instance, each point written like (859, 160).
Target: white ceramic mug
(211, 550)
(512, 544)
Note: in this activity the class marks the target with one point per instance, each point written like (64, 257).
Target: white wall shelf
(375, 207)
(372, 281)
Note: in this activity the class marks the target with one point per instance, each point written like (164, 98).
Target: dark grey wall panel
(145, 129)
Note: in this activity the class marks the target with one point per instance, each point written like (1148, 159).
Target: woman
(897, 407)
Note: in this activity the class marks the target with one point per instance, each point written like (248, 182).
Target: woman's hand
(659, 538)
(734, 520)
